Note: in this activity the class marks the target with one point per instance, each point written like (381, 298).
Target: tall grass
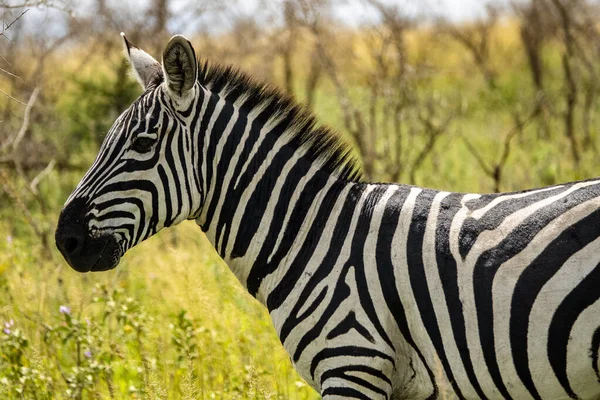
(171, 322)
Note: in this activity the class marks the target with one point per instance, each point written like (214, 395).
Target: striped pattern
(485, 296)
(133, 195)
(376, 291)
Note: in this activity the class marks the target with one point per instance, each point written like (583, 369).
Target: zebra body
(375, 290)
(413, 269)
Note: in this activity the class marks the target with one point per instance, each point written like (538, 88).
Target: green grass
(172, 286)
(172, 322)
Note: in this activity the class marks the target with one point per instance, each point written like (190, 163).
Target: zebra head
(143, 177)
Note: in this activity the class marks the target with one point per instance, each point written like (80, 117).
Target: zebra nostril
(70, 245)
(71, 232)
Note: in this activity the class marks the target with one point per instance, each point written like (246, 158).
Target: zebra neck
(266, 173)
(260, 225)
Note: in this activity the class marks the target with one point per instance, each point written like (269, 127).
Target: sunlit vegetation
(476, 107)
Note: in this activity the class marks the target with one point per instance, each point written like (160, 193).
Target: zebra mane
(322, 144)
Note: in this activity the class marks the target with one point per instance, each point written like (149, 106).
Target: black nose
(70, 233)
(82, 251)
(70, 243)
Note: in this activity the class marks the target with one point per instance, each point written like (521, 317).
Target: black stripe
(341, 371)
(595, 352)
(184, 167)
(559, 332)
(262, 267)
(200, 137)
(119, 201)
(298, 264)
(212, 143)
(224, 160)
(358, 250)
(296, 318)
(173, 159)
(130, 228)
(141, 185)
(346, 351)
(255, 208)
(448, 273)
(346, 393)
(387, 274)
(188, 111)
(418, 280)
(169, 217)
(340, 232)
(472, 227)
(340, 293)
(356, 380)
(531, 281)
(346, 325)
(234, 193)
(115, 214)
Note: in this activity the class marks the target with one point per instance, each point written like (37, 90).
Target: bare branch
(435, 132)
(25, 124)
(571, 93)
(478, 157)
(9, 189)
(476, 39)
(38, 178)
(28, 4)
(9, 73)
(496, 170)
(7, 27)
(12, 98)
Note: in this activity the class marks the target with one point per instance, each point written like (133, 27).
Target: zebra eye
(142, 144)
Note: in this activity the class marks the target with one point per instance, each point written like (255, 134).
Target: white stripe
(404, 286)
(581, 375)
(477, 214)
(485, 241)
(438, 298)
(547, 301)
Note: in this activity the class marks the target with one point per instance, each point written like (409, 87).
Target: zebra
(376, 291)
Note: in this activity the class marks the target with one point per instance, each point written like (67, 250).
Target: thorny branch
(379, 126)
(12, 146)
(434, 132)
(12, 98)
(7, 27)
(571, 93)
(31, 4)
(476, 40)
(13, 194)
(495, 171)
(25, 125)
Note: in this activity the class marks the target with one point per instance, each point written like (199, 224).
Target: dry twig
(7, 27)
(496, 171)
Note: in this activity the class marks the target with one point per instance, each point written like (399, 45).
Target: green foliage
(92, 103)
(184, 337)
(117, 335)
(17, 377)
(114, 335)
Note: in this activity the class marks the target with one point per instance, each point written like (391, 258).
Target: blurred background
(459, 95)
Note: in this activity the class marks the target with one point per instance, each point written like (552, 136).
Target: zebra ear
(145, 68)
(180, 66)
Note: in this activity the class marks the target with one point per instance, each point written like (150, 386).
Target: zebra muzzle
(82, 251)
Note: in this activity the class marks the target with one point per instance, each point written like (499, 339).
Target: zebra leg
(355, 382)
